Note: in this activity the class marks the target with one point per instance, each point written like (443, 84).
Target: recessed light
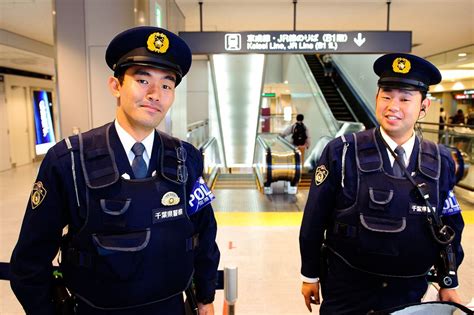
(462, 55)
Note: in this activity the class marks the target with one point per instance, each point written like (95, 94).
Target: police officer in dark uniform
(136, 234)
(366, 237)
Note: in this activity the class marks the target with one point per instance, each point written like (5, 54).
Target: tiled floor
(257, 233)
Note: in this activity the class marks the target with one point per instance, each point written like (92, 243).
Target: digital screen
(43, 117)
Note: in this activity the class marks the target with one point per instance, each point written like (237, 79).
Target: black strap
(444, 234)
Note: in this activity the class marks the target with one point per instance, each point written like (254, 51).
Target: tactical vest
(385, 232)
(136, 244)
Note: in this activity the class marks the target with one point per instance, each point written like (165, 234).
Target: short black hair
(120, 75)
(299, 117)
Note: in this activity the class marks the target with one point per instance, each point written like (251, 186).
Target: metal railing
(211, 160)
(198, 132)
(457, 135)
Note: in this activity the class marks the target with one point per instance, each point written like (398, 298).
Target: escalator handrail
(203, 147)
(298, 162)
(268, 160)
(365, 107)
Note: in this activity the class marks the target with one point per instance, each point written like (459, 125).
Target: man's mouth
(390, 117)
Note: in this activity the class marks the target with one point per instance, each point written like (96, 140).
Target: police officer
(365, 238)
(136, 236)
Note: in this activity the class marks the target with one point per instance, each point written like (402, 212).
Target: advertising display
(43, 120)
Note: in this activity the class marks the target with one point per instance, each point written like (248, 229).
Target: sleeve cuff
(309, 280)
(208, 300)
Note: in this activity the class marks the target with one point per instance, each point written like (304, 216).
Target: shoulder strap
(97, 158)
(429, 159)
(173, 159)
(368, 156)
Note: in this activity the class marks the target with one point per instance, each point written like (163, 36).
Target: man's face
(145, 96)
(397, 112)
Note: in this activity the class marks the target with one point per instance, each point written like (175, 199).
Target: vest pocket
(115, 207)
(379, 199)
(379, 236)
(120, 256)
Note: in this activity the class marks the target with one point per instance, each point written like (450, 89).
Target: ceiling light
(462, 55)
(455, 75)
(458, 86)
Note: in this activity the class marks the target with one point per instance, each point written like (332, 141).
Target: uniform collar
(407, 146)
(128, 141)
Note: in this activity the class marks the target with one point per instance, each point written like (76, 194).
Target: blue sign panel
(298, 42)
(43, 117)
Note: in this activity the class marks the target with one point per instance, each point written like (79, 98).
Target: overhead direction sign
(298, 42)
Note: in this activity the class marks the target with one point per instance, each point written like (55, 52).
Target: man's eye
(167, 87)
(142, 81)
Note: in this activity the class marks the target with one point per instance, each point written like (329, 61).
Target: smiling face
(144, 98)
(398, 110)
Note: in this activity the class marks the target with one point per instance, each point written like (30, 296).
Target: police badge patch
(321, 174)
(38, 194)
(401, 65)
(158, 42)
(170, 199)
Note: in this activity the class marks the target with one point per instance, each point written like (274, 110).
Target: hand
(449, 295)
(206, 309)
(310, 292)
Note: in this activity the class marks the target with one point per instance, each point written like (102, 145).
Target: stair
(236, 181)
(306, 179)
(329, 90)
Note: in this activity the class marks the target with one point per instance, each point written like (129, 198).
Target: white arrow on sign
(359, 40)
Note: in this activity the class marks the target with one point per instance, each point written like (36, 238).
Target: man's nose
(394, 105)
(153, 94)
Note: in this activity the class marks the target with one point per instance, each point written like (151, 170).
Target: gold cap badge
(158, 42)
(38, 194)
(321, 174)
(401, 65)
(170, 199)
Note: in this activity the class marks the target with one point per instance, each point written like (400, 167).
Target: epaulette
(66, 145)
(429, 160)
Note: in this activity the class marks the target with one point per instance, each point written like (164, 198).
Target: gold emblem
(170, 199)
(401, 65)
(38, 194)
(158, 42)
(321, 174)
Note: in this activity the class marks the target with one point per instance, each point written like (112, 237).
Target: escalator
(276, 160)
(235, 181)
(341, 99)
(333, 97)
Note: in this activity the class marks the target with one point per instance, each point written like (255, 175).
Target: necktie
(397, 170)
(138, 164)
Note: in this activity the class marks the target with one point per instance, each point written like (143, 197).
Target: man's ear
(114, 86)
(425, 104)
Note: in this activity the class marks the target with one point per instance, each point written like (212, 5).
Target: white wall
(4, 133)
(198, 91)
(273, 69)
(82, 36)
(19, 109)
(358, 70)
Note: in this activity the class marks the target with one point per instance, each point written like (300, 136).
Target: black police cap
(149, 46)
(399, 70)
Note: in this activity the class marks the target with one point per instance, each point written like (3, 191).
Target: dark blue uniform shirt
(337, 189)
(55, 207)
